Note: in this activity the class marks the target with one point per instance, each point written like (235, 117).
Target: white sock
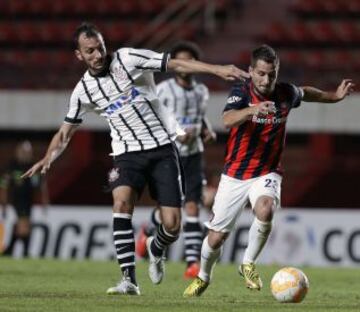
(258, 235)
(209, 256)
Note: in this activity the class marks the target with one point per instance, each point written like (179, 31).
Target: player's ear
(250, 69)
(78, 55)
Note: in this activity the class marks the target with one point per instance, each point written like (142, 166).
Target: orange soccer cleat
(140, 248)
(192, 271)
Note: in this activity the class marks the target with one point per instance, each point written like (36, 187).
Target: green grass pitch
(50, 285)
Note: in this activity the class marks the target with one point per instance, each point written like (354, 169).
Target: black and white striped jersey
(126, 96)
(188, 106)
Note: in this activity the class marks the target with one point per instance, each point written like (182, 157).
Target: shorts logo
(113, 174)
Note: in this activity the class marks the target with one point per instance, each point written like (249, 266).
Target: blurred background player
(20, 194)
(120, 87)
(256, 113)
(187, 100)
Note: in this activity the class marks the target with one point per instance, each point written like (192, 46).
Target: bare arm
(207, 131)
(312, 94)
(57, 145)
(226, 72)
(234, 117)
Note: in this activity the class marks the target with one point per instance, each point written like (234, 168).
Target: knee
(172, 225)
(172, 228)
(264, 209)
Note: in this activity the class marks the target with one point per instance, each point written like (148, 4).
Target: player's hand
(344, 89)
(208, 136)
(41, 166)
(231, 73)
(264, 108)
(188, 137)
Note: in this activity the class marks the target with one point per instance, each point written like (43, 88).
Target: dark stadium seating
(329, 8)
(314, 34)
(41, 32)
(70, 8)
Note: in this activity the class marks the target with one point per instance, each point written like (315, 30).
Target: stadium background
(318, 43)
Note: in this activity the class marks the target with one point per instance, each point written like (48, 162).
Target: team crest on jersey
(120, 73)
(113, 175)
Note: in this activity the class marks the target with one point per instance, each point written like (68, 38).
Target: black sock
(124, 244)
(9, 249)
(26, 242)
(161, 241)
(193, 235)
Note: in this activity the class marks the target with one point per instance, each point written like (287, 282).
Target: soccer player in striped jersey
(120, 87)
(256, 113)
(186, 99)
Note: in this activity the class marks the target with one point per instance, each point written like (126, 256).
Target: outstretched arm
(312, 94)
(208, 134)
(226, 72)
(57, 145)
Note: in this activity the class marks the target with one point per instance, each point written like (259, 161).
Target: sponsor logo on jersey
(268, 120)
(123, 100)
(233, 99)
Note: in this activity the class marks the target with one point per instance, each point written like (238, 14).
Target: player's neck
(186, 83)
(260, 96)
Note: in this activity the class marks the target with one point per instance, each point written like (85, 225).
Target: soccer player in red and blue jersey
(256, 113)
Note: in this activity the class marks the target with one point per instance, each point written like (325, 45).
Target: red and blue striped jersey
(254, 148)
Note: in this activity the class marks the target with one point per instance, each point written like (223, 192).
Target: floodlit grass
(50, 285)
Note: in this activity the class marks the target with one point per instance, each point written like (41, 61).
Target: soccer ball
(289, 285)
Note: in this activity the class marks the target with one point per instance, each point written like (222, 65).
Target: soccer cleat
(156, 264)
(192, 271)
(196, 288)
(124, 287)
(141, 243)
(251, 276)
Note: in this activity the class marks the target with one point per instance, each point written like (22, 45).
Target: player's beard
(265, 92)
(103, 66)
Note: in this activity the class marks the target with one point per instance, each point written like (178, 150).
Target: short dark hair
(264, 53)
(186, 46)
(88, 29)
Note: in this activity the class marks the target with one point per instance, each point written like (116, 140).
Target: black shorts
(22, 210)
(160, 168)
(194, 177)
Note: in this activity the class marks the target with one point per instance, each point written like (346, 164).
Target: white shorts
(233, 195)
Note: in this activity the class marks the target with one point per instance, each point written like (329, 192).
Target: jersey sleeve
(295, 95)
(148, 60)
(206, 94)
(237, 99)
(161, 93)
(76, 109)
